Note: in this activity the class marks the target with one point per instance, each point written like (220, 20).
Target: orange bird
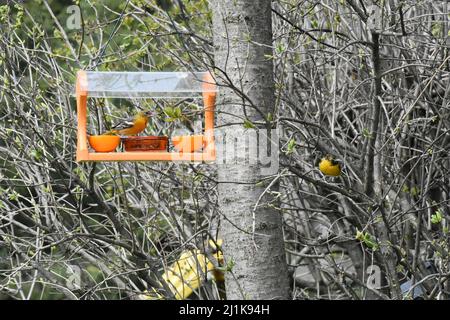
(132, 126)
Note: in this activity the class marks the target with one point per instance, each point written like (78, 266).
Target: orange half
(104, 143)
(188, 143)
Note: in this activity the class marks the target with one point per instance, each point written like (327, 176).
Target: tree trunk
(251, 228)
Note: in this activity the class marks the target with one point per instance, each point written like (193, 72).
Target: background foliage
(374, 94)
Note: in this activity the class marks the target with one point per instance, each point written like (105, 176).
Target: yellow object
(188, 272)
(329, 166)
(133, 126)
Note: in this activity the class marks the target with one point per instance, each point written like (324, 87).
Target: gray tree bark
(251, 227)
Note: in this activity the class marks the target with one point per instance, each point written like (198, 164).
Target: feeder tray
(146, 85)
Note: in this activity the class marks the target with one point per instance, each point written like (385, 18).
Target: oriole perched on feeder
(329, 166)
(132, 126)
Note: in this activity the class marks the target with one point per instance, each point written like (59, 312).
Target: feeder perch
(94, 84)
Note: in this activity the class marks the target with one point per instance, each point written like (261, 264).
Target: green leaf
(173, 113)
(13, 196)
(248, 124)
(436, 29)
(4, 13)
(367, 239)
(359, 235)
(337, 18)
(94, 272)
(178, 112)
(322, 38)
(228, 267)
(366, 133)
(169, 111)
(437, 217)
(291, 146)
(280, 49)
(36, 154)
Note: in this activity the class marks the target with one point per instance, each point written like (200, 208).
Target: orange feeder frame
(206, 86)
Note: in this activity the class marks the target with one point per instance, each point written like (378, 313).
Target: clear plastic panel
(147, 84)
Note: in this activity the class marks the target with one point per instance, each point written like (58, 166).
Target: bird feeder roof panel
(145, 84)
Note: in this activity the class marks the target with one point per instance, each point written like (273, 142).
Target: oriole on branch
(132, 126)
(329, 166)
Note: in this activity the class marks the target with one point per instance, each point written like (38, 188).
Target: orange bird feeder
(97, 84)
